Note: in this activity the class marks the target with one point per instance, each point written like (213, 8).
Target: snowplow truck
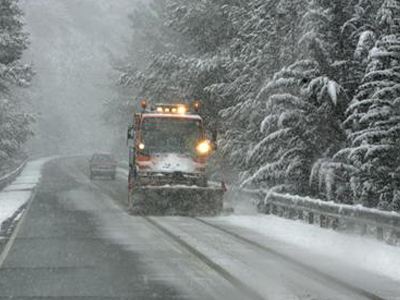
(168, 153)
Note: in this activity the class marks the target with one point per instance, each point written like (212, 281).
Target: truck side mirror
(131, 133)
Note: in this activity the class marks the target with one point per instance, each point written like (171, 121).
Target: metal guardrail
(8, 178)
(384, 225)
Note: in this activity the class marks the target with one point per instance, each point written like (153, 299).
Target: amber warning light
(196, 105)
(174, 108)
(143, 104)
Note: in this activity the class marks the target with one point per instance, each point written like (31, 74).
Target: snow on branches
(374, 120)
(14, 124)
(367, 169)
(14, 128)
(299, 126)
(277, 77)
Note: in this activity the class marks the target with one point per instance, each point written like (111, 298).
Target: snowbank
(11, 202)
(304, 239)
(13, 165)
(15, 195)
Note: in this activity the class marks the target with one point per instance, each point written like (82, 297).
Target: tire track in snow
(243, 288)
(294, 262)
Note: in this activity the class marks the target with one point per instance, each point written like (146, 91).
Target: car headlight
(203, 147)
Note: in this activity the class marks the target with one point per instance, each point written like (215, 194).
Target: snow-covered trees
(14, 125)
(13, 41)
(300, 125)
(277, 78)
(13, 38)
(294, 117)
(14, 128)
(366, 171)
(184, 61)
(265, 42)
(374, 119)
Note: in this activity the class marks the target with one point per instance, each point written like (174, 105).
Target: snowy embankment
(18, 193)
(313, 244)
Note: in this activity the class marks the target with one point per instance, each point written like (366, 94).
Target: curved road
(76, 241)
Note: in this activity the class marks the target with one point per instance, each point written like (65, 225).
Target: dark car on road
(102, 164)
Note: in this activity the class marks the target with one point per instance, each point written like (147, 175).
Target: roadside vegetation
(305, 95)
(14, 122)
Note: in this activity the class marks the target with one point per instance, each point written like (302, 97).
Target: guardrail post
(335, 223)
(292, 213)
(379, 233)
(396, 235)
(310, 218)
(300, 214)
(328, 222)
(322, 221)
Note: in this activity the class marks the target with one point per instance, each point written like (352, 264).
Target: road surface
(77, 241)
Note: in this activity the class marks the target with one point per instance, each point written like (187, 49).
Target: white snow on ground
(124, 172)
(11, 202)
(20, 190)
(353, 250)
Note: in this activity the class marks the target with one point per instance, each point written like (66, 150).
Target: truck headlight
(203, 147)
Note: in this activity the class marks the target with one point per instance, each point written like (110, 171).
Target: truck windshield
(171, 135)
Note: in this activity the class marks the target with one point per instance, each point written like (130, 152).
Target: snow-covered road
(77, 240)
(366, 254)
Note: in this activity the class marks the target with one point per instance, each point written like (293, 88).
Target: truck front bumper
(175, 178)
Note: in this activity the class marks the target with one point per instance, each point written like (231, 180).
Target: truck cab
(169, 146)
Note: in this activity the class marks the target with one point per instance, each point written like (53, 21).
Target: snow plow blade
(176, 200)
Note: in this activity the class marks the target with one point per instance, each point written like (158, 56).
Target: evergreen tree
(13, 40)
(285, 150)
(150, 38)
(193, 62)
(267, 33)
(14, 124)
(14, 128)
(374, 118)
(300, 126)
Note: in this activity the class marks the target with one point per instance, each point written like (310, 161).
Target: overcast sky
(70, 45)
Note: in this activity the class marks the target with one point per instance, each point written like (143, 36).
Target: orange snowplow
(168, 154)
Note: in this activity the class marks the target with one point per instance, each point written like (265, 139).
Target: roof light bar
(172, 108)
